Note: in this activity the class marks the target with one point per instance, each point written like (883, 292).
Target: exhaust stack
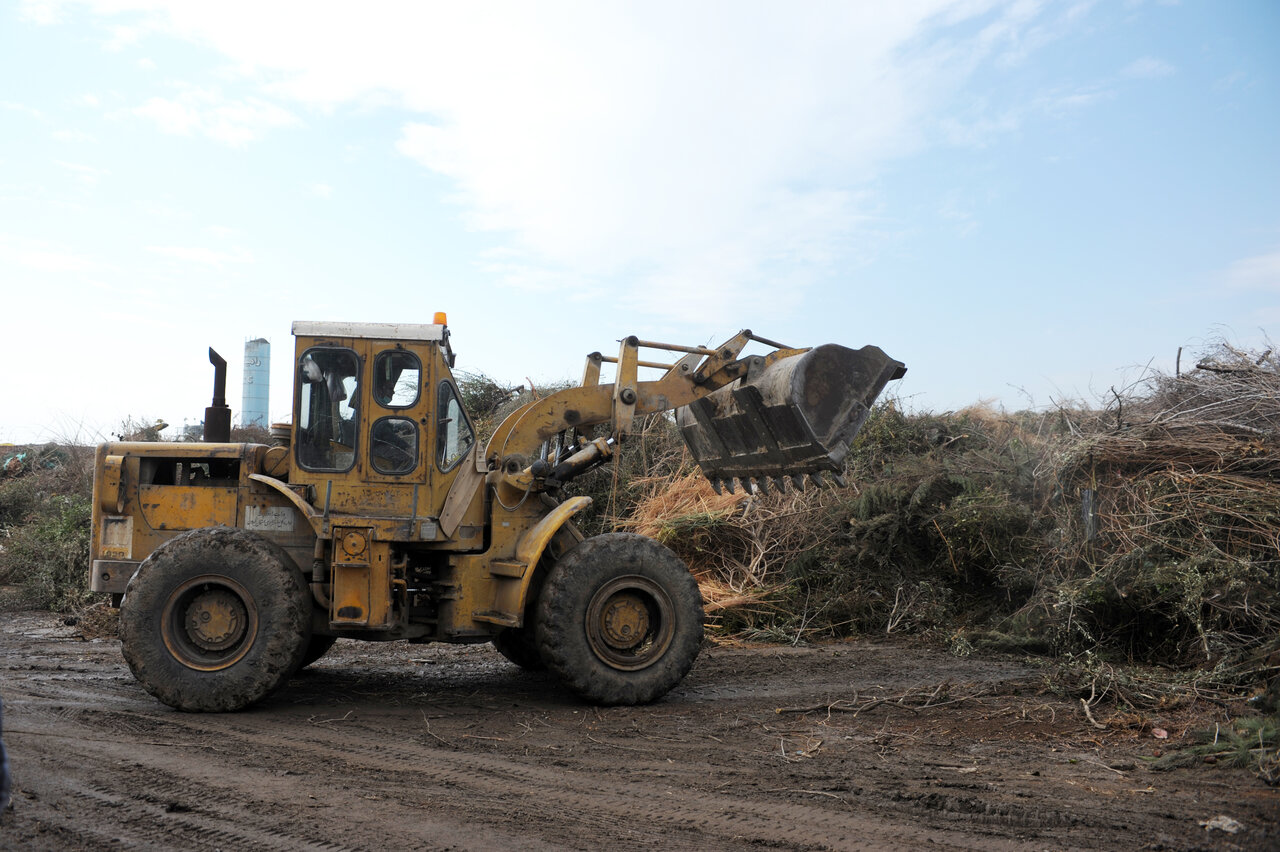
(217, 417)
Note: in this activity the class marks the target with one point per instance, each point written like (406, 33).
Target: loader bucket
(795, 417)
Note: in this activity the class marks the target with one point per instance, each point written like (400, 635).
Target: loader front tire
(518, 645)
(215, 620)
(620, 619)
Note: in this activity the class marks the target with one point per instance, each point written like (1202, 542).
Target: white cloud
(959, 213)
(234, 122)
(1147, 68)
(1259, 272)
(162, 210)
(979, 129)
(42, 256)
(122, 38)
(1016, 34)
(517, 270)
(202, 256)
(321, 190)
(1062, 103)
(145, 64)
(644, 146)
(706, 145)
(89, 175)
(72, 136)
(40, 11)
(11, 106)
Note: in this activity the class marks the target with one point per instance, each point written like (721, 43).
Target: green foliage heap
(44, 527)
(1247, 743)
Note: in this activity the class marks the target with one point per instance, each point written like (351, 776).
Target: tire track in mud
(450, 749)
(120, 795)
(492, 781)
(150, 822)
(163, 798)
(487, 784)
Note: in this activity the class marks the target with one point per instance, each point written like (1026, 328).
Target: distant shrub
(44, 529)
(48, 557)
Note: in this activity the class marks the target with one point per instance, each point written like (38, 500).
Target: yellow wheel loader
(375, 514)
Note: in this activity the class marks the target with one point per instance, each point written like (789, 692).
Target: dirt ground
(399, 746)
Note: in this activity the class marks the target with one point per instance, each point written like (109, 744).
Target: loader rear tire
(620, 619)
(317, 648)
(215, 620)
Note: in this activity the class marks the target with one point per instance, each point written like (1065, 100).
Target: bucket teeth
(774, 483)
(765, 484)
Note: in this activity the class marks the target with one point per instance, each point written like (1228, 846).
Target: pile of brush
(936, 511)
(1177, 546)
(1150, 526)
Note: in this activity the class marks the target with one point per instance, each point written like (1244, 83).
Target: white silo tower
(257, 383)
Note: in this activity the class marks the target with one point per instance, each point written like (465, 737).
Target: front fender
(535, 541)
(513, 576)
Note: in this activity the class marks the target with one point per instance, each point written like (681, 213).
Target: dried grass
(1185, 562)
(1229, 387)
(733, 537)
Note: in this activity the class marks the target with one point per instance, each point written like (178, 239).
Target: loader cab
(378, 421)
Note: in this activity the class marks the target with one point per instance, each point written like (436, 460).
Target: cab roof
(374, 330)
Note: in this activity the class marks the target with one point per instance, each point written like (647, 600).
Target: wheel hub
(215, 620)
(209, 622)
(629, 622)
(624, 622)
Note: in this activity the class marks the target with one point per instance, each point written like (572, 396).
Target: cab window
(393, 445)
(328, 391)
(396, 379)
(454, 435)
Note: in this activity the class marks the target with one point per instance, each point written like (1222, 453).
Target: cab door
(457, 475)
(396, 417)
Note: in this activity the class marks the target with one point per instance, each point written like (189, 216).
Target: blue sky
(1026, 202)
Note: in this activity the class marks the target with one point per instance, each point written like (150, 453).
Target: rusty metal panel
(108, 485)
(111, 575)
(386, 501)
(115, 537)
(361, 582)
(187, 507)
